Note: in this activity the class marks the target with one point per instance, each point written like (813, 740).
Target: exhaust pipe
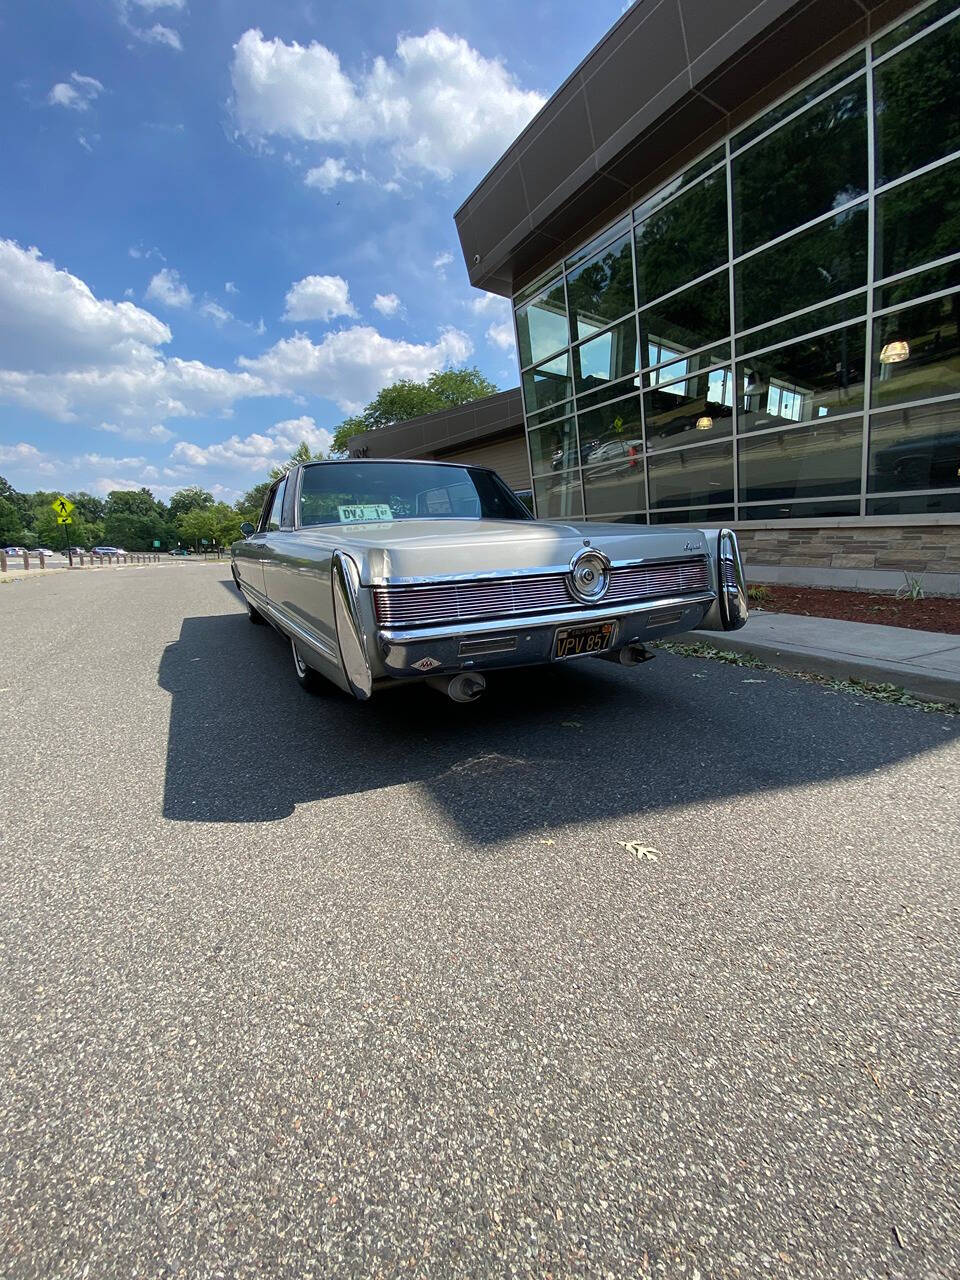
(467, 686)
(631, 655)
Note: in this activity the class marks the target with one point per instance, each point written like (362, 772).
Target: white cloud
(151, 5)
(388, 304)
(99, 460)
(19, 454)
(158, 33)
(486, 304)
(67, 353)
(157, 432)
(230, 287)
(442, 261)
(501, 335)
(318, 298)
(331, 173)
(77, 94)
(167, 288)
(219, 315)
(259, 451)
(351, 365)
(437, 106)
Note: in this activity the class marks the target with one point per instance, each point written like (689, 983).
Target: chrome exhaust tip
(467, 686)
(631, 655)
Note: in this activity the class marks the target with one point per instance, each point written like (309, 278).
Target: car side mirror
(247, 528)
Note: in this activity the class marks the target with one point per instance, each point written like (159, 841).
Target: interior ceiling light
(894, 351)
(704, 423)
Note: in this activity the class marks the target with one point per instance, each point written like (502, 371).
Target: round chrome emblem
(589, 576)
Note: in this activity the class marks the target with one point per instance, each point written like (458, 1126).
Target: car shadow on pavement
(572, 742)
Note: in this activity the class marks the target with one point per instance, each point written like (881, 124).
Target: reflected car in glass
(385, 571)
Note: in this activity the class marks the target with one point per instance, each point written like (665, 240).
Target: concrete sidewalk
(925, 663)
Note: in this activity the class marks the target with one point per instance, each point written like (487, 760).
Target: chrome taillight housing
(730, 611)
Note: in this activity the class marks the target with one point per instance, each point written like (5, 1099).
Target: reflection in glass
(542, 325)
(810, 267)
(696, 516)
(558, 496)
(915, 448)
(606, 358)
(612, 432)
(916, 352)
(820, 318)
(796, 102)
(692, 477)
(805, 462)
(687, 320)
(683, 240)
(918, 504)
(548, 383)
(601, 289)
(554, 448)
(918, 222)
(682, 366)
(609, 391)
(814, 378)
(699, 407)
(802, 510)
(816, 163)
(932, 281)
(912, 25)
(617, 482)
(916, 104)
(593, 247)
(685, 179)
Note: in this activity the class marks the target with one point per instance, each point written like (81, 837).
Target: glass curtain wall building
(776, 332)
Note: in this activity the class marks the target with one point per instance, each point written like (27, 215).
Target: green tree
(253, 499)
(300, 454)
(189, 499)
(11, 526)
(407, 399)
(133, 519)
(219, 524)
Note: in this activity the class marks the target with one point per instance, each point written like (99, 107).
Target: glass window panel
(816, 163)
(687, 320)
(920, 504)
(552, 411)
(669, 189)
(916, 104)
(535, 286)
(559, 497)
(912, 25)
(796, 102)
(916, 352)
(604, 359)
(601, 289)
(932, 281)
(548, 383)
(616, 483)
(612, 432)
(918, 221)
(806, 462)
(609, 391)
(631, 517)
(692, 477)
(554, 448)
(699, 515)
(683, 240)
(274, 520)
(821, 318)
(697, 408)
(598, 242)
(815, 378)
(802, 510)
(542, 325)
(682, 366)
(810, 267)
(916, 448)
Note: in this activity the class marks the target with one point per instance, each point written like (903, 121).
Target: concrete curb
(930, 686)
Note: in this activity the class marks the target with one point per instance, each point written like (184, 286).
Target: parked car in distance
(76, 551)
(382, 571)
(106, 551)
(45, 552)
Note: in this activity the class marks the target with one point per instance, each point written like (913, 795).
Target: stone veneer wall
(910, 548)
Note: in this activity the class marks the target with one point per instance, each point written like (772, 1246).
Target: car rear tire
(307, 677)
(255, 616)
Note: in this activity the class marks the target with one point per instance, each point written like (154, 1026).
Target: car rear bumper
(516, 642)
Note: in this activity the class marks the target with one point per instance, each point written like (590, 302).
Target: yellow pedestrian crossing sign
(62, 506)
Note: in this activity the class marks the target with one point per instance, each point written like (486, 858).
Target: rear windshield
(360, 492)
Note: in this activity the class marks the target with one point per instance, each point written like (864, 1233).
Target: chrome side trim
(291, 628)
(353, 654)
(645, 562)
(521, 624)
(731, 581)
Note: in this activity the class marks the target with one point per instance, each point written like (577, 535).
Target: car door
(273, 550)
(251, 553)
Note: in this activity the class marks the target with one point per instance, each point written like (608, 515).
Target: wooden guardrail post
(42, 558)
(26, 559)
(3, 561)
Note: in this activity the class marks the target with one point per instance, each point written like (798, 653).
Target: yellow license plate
(579, 642)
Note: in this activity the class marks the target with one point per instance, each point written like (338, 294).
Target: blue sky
(224, 225)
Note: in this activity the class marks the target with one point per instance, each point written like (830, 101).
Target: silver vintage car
(386, 571)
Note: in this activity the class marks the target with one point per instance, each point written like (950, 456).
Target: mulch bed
(931, 614)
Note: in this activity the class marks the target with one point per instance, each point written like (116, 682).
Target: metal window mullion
(573, 393)
(924, 169)
(674, 195)
(806, 422)
(523, 409)
(690, 284)
(643, 415)
(916, 302)
(793, 315)
(911, 40)
(689, 355)
(731, 297)
(795, 115)
(871, 267)
(918, 271)
(897, 405)
(804, 226)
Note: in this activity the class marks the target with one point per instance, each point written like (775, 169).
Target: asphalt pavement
(293, 986)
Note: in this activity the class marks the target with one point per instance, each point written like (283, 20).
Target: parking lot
(298, 986)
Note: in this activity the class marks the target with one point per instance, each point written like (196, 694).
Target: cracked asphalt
(298, 987)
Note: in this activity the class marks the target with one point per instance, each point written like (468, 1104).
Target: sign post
(63, 506)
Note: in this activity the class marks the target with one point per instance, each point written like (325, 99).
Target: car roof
(419, 462)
